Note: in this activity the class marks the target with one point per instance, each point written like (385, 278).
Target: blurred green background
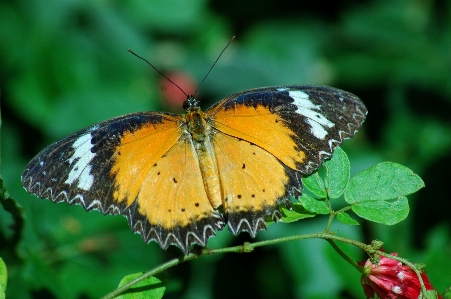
(64, 65)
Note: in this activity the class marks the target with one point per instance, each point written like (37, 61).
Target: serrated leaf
(296, 213)
(3, 278)
(313, 205)
(345, 218)
(384, 212)
(383, 181)
(314, 183)
(149, 288)
(338, 172)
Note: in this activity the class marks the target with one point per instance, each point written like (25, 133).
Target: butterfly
(180, 178)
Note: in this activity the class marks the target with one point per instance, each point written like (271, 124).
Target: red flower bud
(390, 279)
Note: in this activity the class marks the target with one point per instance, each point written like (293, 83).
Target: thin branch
(245, 248)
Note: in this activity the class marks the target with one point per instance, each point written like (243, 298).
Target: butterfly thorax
(196, 123)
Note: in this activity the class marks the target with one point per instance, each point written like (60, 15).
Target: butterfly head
(191, 103)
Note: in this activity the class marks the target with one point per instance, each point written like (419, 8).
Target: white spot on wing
(317, 129)
(81, 170)
(282, 89)
(316, 120)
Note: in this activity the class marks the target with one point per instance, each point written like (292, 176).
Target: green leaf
(383, 181)
(384, 212)
(313, 205)
(314, 183)
(345, 218)
(431, 294)
(3, 278)
(149, 288)
(338, 172)
(296, 213)
(447, 293)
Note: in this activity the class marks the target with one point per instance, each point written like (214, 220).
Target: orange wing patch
(136, 155)
(253, 183)
(258, 125)
(167, 188)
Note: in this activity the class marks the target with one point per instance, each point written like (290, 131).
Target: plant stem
(248, 247)
(156, 270)
(345, 256)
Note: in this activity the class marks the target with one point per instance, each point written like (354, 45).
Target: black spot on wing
(252, 221)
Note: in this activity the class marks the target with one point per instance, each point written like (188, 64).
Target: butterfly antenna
(228, 44)
(159, 71)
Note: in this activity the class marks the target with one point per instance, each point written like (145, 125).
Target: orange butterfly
(179, 178)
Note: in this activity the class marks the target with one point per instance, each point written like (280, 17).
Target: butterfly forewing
(301, 125)
(77, 169)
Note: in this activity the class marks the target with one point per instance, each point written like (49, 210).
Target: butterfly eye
(186, 105)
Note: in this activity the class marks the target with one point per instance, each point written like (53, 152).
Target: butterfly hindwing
(253, 183)
(170, 197)
(300, 124)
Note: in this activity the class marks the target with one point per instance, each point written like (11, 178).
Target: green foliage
(338, 171)
(447, 293)
(150, 288)
(3, 278)
(64, 66)
(315, 184)
(345, 218)
(381, 182)
(313, 205)
(376, 194)
(298, 212)
(431, 294)
(384, 212)
(14, 209)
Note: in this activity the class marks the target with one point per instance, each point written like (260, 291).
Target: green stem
(246, 247)
(347, 208)
(156, 270)
(345, 256)
(331, 215)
